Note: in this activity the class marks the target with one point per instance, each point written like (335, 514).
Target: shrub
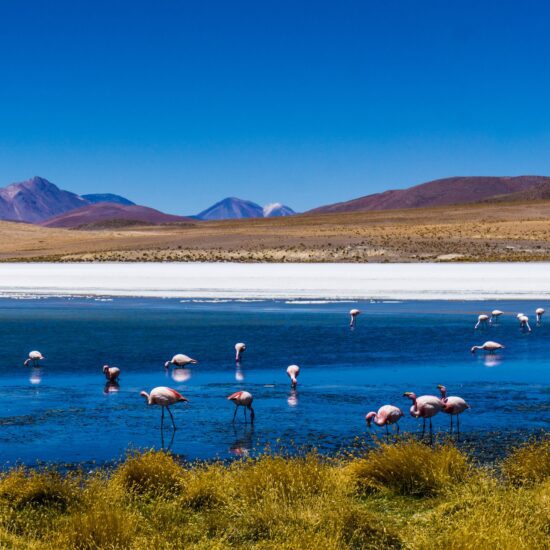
(100, 527)
(528, 464)
(20, 488)
(409, 468)
(152, 473)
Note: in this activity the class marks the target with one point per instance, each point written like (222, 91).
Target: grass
(405, 495)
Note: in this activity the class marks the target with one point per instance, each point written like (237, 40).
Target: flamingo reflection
(112, 386)
(181, 375)
(239, 374)
(492, 360)
(292, 398)
(36, 376)
(243, 441)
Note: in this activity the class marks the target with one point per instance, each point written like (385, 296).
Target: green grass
(405, 495)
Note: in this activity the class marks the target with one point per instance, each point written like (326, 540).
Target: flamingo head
(167, 364)
(144, 394)
(474, 349)
(442, 389)
(410, 395)
(105, 369)
(184, 399)
(369, 418)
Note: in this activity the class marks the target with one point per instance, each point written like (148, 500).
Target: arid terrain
(481, 232)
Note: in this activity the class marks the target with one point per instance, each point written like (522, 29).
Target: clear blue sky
(178, 104)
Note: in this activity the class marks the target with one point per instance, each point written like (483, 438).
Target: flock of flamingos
(425, 406)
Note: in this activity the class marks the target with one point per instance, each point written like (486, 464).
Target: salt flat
(471, 281)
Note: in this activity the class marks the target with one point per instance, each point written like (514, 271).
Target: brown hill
(106, 213)
(442, 192)
(538, 192)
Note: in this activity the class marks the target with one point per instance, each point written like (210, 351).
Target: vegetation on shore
(401, 495)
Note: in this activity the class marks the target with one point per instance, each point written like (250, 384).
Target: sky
(178, 104)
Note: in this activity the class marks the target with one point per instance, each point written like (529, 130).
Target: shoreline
(437, 281)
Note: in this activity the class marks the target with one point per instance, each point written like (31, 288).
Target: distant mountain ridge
(38, 199)
(94, 215)
(233, 208)
(94, 198)
(441, 192)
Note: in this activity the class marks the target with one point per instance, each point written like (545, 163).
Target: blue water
(62, 412)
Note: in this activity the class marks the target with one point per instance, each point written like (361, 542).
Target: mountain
(36, 200)
(107, 197)
(234, 208)
(277, 209)
(98, 214)
(456, 190)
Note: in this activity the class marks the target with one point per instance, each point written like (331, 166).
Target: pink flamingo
(353, 313)
(489, 346)
(240, 348)
(293, 371)
(34, 358)
(453, 405)
(164, 397)
(424, 407)
(539, 313)
(524, 321)
(481, 320)
(386, 415)
(495, 314)
(242, 399)
(111, 373)
(180, 360)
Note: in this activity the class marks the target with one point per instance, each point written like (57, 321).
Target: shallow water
(62, 412)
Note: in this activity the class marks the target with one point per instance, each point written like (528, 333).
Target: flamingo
(240, 348)
(495, 314)
(481, 320)
(524, 321)
(242, 399)
(489, 346)
(386, 415)
(293, 371)
(164, 397)
(539, 312)
(424, 407)
(180, 360)
(34, 358)
(111, 373)
(353, 313)
(453, 405)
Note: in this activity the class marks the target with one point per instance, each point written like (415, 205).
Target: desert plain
(518, 231)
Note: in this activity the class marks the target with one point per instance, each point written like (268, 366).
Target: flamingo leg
(162, 418)
(244, 414)
(458, 423)
(235, 413)
(397, 428)
(451, 423)
(423, 427)
(172, 417)
(430, 426)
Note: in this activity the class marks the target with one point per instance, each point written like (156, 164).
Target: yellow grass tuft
(528, 464)
(409, 468)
